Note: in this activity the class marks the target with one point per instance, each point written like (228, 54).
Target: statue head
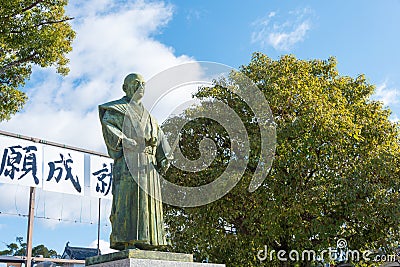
(134, 86)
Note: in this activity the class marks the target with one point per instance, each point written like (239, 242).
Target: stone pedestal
(144, 258)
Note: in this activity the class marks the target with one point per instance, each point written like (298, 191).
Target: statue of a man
(136, 216)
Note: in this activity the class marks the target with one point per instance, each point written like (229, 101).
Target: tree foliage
(19, 249)
(32, 32)
(44, 251)
(335, 173)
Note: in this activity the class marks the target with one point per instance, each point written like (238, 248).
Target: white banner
(52, 168)
(21, 162)
(63, 171)
(101, 177)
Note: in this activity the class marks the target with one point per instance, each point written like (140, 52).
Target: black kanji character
(64, 166)
(101, 175)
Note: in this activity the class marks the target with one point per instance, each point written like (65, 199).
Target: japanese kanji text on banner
(52, 168)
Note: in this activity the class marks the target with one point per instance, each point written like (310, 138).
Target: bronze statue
(136, 216)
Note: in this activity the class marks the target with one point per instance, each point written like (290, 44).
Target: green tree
(32, 32)
(15, 249)
(19, 249)
(44, 251)
(335, 173)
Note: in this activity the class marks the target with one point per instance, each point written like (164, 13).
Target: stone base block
(154, 263)
(144, 258)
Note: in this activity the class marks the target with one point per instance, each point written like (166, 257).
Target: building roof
(11, 259)
(79, 253)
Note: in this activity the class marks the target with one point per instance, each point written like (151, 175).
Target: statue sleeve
(162, 152)
(112, 133)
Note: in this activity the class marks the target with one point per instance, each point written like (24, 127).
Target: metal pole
(30, 226)
(37, 140)
(98, 229)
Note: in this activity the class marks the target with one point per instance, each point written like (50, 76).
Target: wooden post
(30, 227)
(98, 229)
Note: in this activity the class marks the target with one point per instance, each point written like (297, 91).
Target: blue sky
(118, 37)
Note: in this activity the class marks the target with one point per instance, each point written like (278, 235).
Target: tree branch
(42, 24)
(17, 62)
(24, 9)
(30, 6)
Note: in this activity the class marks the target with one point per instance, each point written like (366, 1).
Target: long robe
(136, 217)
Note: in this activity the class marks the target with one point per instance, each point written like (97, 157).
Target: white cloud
(194, 14)
(104, 246)
(271, 14)
(282, 34)
(388, 96)
(284, 40)
(113, 39)
(394, 118)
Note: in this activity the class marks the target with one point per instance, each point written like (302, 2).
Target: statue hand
(164, 166)
(130, 144)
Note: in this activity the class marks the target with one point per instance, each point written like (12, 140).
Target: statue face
(135, 88)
